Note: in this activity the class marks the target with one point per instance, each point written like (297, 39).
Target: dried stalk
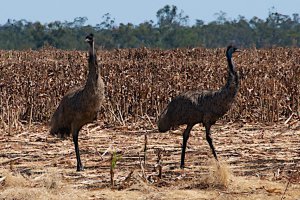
(112, 171)
(159, 163)
(135, 89)
(30, 115)
(142, 168)
(145, 148)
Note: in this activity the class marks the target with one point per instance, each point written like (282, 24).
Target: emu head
(164, 121)
(90, 39)
(230, 50)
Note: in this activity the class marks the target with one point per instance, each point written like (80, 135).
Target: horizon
(136, 12)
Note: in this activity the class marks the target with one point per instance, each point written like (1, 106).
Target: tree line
(171, 30)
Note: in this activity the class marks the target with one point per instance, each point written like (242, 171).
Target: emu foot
(80, 168)
(181, 166)
(181, 173)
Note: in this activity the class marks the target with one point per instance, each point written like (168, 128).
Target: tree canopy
(172, 30)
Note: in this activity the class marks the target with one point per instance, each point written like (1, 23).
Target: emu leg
(75, 140)
(209, 140)
(186, 135)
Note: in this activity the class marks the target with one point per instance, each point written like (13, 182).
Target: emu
(206, 107)
(80, 105)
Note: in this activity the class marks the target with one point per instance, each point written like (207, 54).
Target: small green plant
(114, 159)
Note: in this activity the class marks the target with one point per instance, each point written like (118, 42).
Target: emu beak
(87, 40)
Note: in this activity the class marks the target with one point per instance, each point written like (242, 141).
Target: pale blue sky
(138, 11)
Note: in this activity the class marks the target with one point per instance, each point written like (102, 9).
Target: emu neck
(93, 74)
(229, 91)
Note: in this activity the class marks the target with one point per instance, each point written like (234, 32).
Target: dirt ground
(257, 162)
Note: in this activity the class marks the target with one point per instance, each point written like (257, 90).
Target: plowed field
(258, 162)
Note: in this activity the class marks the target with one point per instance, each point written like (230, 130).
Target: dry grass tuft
(219, 173)
(10, 180)
(47, 186)
(219, 176)
(51, 181)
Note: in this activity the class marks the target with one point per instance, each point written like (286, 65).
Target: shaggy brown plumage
(204, 107)
(80, 105)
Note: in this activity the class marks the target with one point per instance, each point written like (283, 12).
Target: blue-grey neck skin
(92, 56)
(93, 73)
(232, 84)
(92, 48)
(229, 53)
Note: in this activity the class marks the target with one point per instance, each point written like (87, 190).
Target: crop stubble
(140, 82)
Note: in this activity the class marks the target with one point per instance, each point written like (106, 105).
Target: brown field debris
(257, 161)
(140, 82)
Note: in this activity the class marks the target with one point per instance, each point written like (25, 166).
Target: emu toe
(80, 168)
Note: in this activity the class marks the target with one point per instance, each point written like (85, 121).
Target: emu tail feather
(58, 127)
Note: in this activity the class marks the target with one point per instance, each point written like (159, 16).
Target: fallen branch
(105, 152)
(290, 117)
(287, 185)
(9, 161)
(150, 121)
(126, 179)
(2, 179)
